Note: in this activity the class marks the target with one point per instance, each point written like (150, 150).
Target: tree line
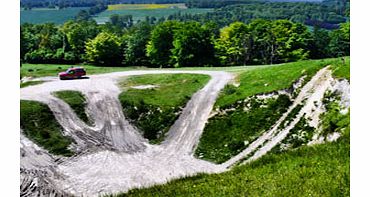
(179, 44)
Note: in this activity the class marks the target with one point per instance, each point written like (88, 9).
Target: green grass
(270, 78)
(39, 124)
(340, 70)
(319, 170)
(173, 91)
(76, 101)
(30, 83)
(38, 16)
(140, 14)
(42, 70)
(154, 110)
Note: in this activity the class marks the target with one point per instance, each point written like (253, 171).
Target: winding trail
(113, 156)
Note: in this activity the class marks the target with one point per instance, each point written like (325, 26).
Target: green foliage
(340, 42)
(319, 45)
(137, 39)
(333, 120)
(76, 101)
(318, 170)
(39, 124)
(228, 134)
(298, 136)
(105, 49)
(322, 14)
(234, 45)
(178, 44)
(30, 83)
(262, 42)
(161, 42)
(76, 36)
(150, 109)
(291, 116)
(152, 120)
(121, 21)
(193, 46)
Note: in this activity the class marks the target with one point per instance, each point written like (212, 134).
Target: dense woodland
(328, 14)
(179, 44)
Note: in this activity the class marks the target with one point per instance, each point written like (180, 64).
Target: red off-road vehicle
(72, 73)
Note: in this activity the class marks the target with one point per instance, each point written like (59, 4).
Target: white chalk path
(115, 157)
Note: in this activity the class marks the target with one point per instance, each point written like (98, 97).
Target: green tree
(121, 21)
(193, 46)
(319, 44)
(234, 45)
(160, 44)
(76, 34)
(137, 39)
(105, 49)
(340, 41)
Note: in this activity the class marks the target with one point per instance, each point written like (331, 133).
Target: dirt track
(114, 157)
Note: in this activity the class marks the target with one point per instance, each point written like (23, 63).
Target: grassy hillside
(39, 124)
(45, 15)
(271, 78)
(155, 109)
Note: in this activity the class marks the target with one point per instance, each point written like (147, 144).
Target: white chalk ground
(114, 157)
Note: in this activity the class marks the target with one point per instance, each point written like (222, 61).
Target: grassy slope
(40, 125)
(151, 110)
(271, 78)
(318, 170)
(76, 101)
(340, 70)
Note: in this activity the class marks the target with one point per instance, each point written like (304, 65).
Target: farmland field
(44, 15)
(144, 6)
(140, 11)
